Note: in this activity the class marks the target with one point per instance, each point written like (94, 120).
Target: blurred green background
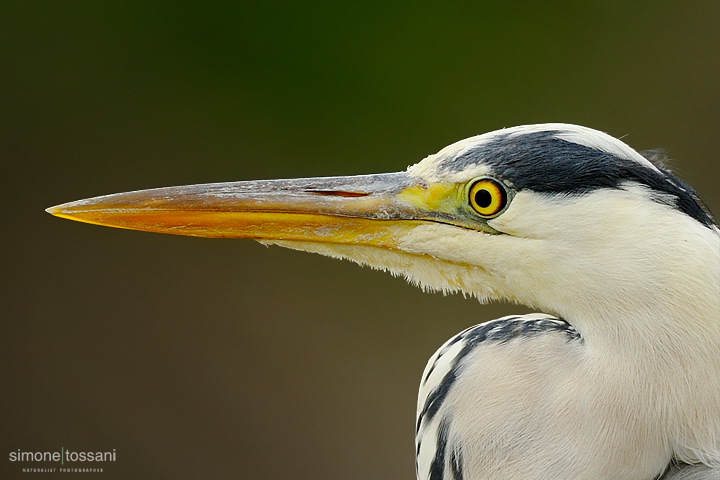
(198, 358)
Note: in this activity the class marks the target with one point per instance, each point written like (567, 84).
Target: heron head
(523, 213)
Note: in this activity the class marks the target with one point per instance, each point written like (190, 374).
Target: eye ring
(488, 197)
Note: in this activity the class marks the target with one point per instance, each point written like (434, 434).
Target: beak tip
(53, 210)
(62, 211)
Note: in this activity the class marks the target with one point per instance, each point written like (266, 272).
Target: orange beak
(364, 210)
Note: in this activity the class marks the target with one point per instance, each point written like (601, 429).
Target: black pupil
(483, 198)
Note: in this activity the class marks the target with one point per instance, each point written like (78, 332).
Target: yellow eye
(487, 197)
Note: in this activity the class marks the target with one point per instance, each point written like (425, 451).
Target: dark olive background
(198, 358)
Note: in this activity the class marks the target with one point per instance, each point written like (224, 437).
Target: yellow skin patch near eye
(487, 197)
(439, 197)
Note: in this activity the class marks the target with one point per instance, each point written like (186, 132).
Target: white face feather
(427, 168)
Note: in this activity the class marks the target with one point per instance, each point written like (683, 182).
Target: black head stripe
(541, 162)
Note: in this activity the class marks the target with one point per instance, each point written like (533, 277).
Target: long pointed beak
(367, 209)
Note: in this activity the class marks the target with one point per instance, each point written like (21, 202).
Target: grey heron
(618, 378)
